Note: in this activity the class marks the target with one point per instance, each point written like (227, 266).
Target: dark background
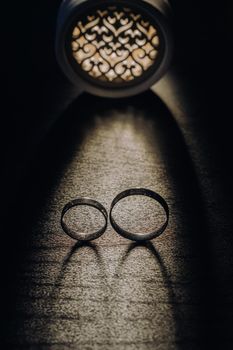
(35, 92)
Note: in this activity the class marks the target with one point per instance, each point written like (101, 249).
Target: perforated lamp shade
(114, 48)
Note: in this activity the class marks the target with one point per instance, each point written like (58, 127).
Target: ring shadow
(148, 245)
(53, 298)
(74, 249)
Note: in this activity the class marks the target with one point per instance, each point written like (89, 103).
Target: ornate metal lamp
(114, 48)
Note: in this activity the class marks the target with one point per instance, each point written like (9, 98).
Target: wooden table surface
(113, 293)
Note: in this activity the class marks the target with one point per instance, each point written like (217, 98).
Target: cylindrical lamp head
(114, 48)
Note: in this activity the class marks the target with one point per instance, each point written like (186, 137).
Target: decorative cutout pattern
(115, 46)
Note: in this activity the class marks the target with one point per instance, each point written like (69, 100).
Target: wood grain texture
(111, 293)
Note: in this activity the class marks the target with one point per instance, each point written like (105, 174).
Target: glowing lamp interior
(114, 45)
